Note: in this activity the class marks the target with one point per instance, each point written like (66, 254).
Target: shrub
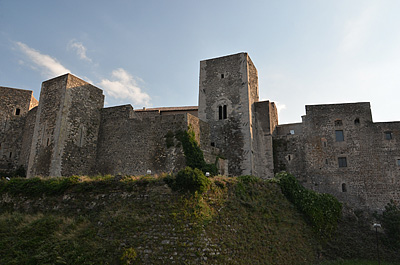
(323, 211)
(390, 219)
(192, 180)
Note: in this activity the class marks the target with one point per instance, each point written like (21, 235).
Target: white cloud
(280, 107)
(48, 66)
(79, 49)
(124, 86)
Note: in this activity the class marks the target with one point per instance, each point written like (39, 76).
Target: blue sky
(147, 53)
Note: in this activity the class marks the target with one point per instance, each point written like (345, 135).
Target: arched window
(344, 188)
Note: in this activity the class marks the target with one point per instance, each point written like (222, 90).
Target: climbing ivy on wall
(323, 211)
(193, 154)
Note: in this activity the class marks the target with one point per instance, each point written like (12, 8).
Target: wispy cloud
(280, 107)
(356, 30)
(80, 50)
(124, 86)
(47, 65)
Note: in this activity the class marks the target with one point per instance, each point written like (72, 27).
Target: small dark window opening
(213, 144)
(325, 144)
(338, 123)
(222, 76)
(220, 112)
(339, 135)
(289, 157)
(388, 136)
(326, 161)
(357, 121)
(48, 141)
(10, 154)
(225, 112)
(344, 188)
(342, 161)
(398, 162)
(17, 111)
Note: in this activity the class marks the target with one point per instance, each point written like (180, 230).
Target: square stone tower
(66, 128)
(228, 90)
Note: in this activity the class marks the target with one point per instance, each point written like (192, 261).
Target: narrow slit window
(17, 111)
(222, 76)
(10, 154)
(225, 112)
(339, 135)
(398, 162)
(344, 187)
(220, 112)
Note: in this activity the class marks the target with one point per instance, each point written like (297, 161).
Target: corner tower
(228, 90)
(66, 128)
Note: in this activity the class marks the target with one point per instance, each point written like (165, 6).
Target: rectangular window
(339, 135)
(388, 135)
(17, 111)
(220, 112)
(398, 162)
(342, 161)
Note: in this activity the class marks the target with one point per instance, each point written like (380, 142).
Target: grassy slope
(95, 222)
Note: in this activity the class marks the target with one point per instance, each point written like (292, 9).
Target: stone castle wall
(66, 128)
(226, 91)
(337, 148)
(15, 121)
(361, 168)
(133, 142)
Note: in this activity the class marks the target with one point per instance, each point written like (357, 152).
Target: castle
(336, 149)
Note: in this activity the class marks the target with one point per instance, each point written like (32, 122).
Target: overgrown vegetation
(140, 220)
(189, 180)
(323, 211)
(193, 154)
(129, 220)
(38, 186)
(390, 219)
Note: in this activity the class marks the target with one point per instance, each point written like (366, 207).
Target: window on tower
(222, 112)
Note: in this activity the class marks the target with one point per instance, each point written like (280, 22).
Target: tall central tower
(228, 90)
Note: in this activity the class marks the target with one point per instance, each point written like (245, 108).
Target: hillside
(109, 220)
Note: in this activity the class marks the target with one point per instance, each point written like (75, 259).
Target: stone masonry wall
(46, 135)
(66, 128)
(83, 103)
(224, 81)
(132, 143)
(262, 139)
(361, 169)
(14, 108)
